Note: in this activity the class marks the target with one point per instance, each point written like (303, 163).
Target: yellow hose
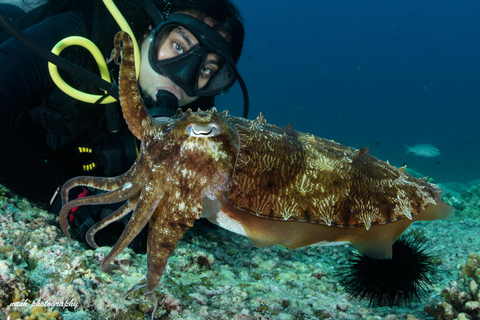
(99, 59)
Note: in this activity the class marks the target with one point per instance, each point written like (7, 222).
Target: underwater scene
(376, 74)
(383, 96)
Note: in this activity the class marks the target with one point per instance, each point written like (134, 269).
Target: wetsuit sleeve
(23, 79)
(24, 75)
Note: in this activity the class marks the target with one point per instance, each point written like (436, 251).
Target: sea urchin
(390, 282)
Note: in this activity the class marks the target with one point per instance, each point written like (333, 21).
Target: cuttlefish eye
(203, 130)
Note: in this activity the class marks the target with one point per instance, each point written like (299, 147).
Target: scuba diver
(188, 49)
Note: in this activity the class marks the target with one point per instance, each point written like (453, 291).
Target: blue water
(377, 74)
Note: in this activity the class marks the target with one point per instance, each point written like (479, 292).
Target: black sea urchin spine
(410, 272)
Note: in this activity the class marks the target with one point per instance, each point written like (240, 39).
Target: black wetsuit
(41, 128)
(37, 140)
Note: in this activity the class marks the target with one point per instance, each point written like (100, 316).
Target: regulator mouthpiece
(165, 106)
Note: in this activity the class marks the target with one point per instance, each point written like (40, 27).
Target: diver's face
(151, 82)
(177, 42)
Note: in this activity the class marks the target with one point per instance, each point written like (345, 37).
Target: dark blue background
(377, 74)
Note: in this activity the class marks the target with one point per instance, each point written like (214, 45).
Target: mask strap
(152, 11)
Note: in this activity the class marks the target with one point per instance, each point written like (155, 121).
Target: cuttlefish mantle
(272, 184)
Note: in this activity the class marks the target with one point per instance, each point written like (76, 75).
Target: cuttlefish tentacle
(135, 113)
(150, 295)
(115, 196)
(163, 236)
(121, 212)
(146, 205)
(107, 184)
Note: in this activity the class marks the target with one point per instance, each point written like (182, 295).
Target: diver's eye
(203, 130)
(177, 47)
(207, 72)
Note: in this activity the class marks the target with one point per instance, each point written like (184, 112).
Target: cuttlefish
(272, 184)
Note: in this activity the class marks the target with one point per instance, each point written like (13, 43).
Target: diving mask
(193, 55)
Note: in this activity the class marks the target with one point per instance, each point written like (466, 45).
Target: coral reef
(213, 274)
(40, 271)
(461, 296)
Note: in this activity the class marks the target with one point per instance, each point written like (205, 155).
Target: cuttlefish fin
(376, 242)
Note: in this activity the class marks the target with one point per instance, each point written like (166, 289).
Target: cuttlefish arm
(110, 197)
(138, 119)
(181, 162)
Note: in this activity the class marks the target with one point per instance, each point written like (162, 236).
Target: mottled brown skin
(169, 179)
(321, 191)
(281, 186)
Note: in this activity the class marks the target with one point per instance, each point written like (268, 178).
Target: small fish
(423, 150)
